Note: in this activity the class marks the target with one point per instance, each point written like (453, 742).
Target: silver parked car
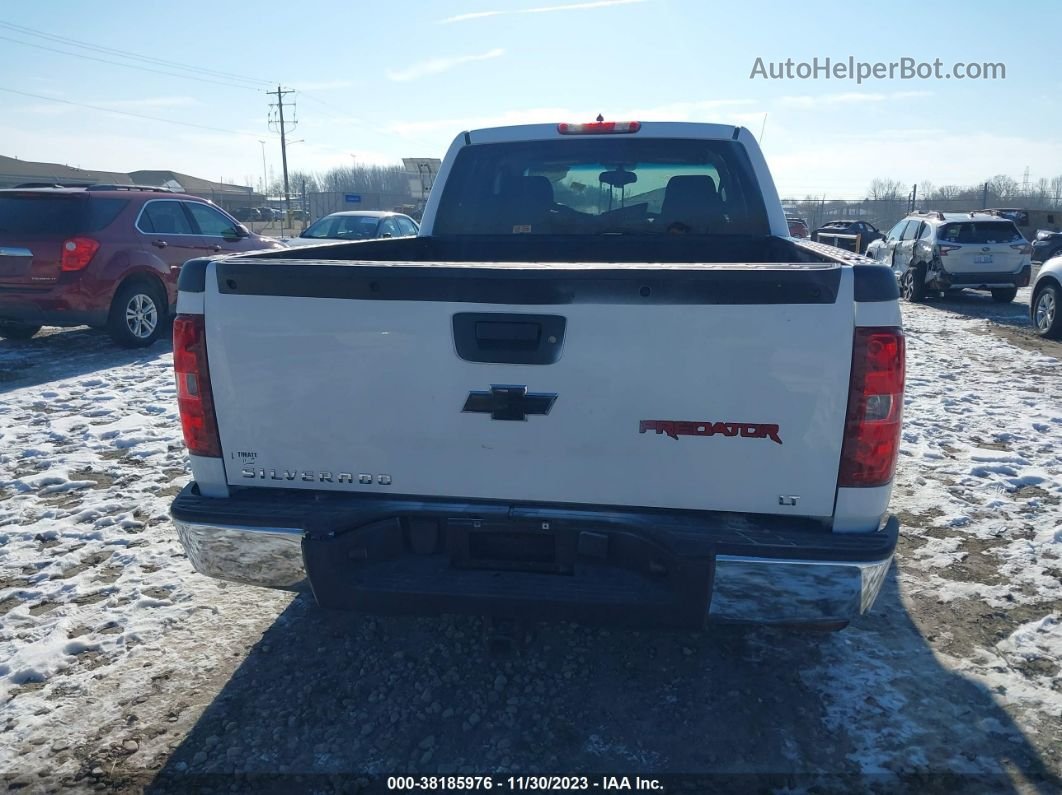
(1047, 299)
(355, 225)
(936, 252)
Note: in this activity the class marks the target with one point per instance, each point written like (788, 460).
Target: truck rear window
(980, 232)
(63, 216)
(602, 186)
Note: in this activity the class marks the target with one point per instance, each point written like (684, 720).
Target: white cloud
(811, 102)
(842, 166)
(539, 10)
(450, 127)
(713, 110)
(148, 102)
(710, 110)
(61, 108)
(437, 65)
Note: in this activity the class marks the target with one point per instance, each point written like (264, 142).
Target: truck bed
(607, 248)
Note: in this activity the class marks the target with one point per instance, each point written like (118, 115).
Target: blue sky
(379, 81)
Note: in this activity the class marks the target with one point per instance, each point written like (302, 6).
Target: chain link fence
(324, 203)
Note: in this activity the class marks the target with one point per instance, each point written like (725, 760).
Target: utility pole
(305, 205)
(914, 197)
(984, 197)
(280, 125)
(265, 179)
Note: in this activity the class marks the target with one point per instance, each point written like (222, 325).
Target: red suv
(106, 256)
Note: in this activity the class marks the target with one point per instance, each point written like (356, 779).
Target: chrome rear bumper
(767, 591)
(744, 588)
(270, 557)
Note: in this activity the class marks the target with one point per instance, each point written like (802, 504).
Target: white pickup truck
(601, 384)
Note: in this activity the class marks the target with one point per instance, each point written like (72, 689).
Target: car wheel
(18, 331)
(913, 284)
(138, 315)
(1004, 295)
(1047, 320)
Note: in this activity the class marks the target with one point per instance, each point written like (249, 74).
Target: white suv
(945, 251)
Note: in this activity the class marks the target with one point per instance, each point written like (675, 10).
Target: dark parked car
(355, 225)
(105, 255)
(867, 233)
(1046, 245)
(247, 214)
(268, 213)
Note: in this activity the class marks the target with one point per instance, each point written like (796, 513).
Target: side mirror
(386, 234)
(240, 232)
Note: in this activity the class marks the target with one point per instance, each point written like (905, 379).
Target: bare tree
(1056, 191)
(1041, 193)
(368, 179)
(886, 189)
(1003, 187)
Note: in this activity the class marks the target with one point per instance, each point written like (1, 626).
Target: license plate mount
(510, 546)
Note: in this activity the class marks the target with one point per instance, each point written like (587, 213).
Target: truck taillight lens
(194, 397)
(875, 408)
(78, 252)
(599, 128)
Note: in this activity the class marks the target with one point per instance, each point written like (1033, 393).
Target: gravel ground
(236, 689)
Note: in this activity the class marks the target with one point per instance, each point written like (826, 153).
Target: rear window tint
(602, 185)
(980, 232)
(63, 216)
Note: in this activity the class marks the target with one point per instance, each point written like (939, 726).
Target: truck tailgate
(717, 388)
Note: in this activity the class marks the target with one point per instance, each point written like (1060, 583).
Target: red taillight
(194, 397)
(78, 252)
(943, 248)
(875, 408)
(599, 128)
(1022, 248)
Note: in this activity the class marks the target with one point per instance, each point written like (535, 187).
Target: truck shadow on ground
(335, 702)
(67, 353)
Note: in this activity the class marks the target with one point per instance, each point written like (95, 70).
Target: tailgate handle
(503, 338)
(505, 334)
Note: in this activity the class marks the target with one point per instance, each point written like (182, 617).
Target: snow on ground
(100, 610)
(979, 494)
(980, 480)
(91, 572)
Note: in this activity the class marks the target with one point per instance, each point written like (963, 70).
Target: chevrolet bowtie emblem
(509, 402)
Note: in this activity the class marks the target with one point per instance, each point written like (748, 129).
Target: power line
(130, 55)
(126, 65)
(124, 112)
(361, 120)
